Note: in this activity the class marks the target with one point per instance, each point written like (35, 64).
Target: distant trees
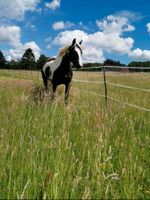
(2, 60)
(92, 66)
(27, 62)
(110, 62)
(13, 64)
(140, 65)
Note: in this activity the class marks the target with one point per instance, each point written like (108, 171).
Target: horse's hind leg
(67, 90)
(45, 81)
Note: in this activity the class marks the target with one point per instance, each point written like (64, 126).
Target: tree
(28, 60)
(13, 64)
(2, 60)
(141, 65)
(110, 62)
(40, 61)
(92, 66)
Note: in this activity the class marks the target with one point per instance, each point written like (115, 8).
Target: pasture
(84, 150)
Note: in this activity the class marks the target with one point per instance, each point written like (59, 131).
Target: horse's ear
(74, 42)
(80, 42)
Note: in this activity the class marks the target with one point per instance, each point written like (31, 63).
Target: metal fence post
(105, 84)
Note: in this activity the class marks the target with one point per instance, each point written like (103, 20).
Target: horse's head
(75, 53)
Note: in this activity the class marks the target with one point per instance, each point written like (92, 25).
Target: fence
(106, 83)
(35, 76)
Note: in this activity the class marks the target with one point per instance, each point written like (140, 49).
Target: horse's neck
(65, 64)
(61, 62)
(57, 61)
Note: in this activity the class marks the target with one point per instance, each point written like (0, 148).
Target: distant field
(84, 150)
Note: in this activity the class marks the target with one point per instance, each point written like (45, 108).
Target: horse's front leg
(53, 91)
(67, 91)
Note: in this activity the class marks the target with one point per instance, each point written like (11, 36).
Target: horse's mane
(63, 51)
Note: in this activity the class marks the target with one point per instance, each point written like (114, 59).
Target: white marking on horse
(53, 64)
(77, 49)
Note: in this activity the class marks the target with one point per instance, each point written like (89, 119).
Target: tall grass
(48, 150)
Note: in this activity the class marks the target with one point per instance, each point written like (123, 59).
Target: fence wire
(114, 84)
(114, 99)
(115, 67)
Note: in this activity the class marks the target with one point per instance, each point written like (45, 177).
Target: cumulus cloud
(11, 36)
(95, 44)
(148, 27)
(16, 53)
(140, 54)
(54, 4)
(131, 16)
(109, 38)
(16, 9)
(33, 46)
(115, 24)
(62, 25)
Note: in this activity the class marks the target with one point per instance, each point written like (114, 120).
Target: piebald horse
(59, 70)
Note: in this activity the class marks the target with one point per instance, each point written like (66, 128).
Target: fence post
(105, 84)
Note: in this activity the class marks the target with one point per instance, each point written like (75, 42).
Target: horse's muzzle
(79, 66)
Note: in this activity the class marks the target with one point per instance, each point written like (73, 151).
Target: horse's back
(48, 61)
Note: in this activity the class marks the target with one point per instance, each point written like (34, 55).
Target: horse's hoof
(46, 94)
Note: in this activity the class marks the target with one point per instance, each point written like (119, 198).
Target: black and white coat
(59, 70)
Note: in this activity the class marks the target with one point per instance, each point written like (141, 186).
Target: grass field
(48, 150)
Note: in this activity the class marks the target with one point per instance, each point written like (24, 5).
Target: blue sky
(113, 29)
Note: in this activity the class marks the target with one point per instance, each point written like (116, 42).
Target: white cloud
(148, 27)
(95, 44)
(66, 37)
(49, 42)
(61, 25)
(115, 25)
(16, 9)
(131, 16)
(140, 54)
(108, 39)
(33, 46)
(58, 25)
(90, 52)
(16, 53)
(30, 26)
(11, 36)
(53, 5)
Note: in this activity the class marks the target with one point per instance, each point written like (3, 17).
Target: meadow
(83, 150)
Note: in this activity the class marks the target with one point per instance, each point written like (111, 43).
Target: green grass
(48, 150)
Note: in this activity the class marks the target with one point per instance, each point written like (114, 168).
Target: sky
(114, 29)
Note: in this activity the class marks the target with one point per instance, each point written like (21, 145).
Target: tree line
(28, 62)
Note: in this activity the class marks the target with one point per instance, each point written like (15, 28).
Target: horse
(59, 70)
